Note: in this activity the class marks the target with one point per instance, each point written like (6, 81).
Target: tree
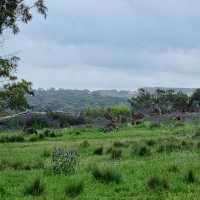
(12, 94)
(195, 100)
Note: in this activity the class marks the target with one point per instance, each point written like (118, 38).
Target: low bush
(157, 183)
(74, 188)
(116, 153)
(106, 175)
(18, 165)
(173, 168)
(151, 142)
(141, 151)
(120, 144)
(64, 161)
(34, 138)
(98, 150)
(189, 177)
(2, 192)
(46, 153)
(35, 188)
(85, 144)
(12, 138)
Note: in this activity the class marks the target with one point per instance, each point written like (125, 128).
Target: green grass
(139, 162)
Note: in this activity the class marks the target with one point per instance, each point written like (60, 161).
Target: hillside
(75, 100)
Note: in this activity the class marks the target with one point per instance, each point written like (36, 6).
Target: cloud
(112, 44)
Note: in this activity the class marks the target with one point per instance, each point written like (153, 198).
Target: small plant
(2, 192)
(116, 153)
(74, 188)
(46, 153)
(157, 183)
(41, 136)
(173, 168)
(85, 144)
(47, 132)
(35, 188)
(64, 161)
(189, 177)
(151, 142)
(98, 150)
(12, 138)
(52, 135)
(106, 175)
(142, 151)
(33, 138)
(120, 144)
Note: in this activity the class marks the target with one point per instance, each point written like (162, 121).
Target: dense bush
(74, 188)
(106, 175)
(12, 138)
(157, 183)
(35, 188)
(116, 153)
(64, 161)
(142, 150)
(189, 177)
(98, 150)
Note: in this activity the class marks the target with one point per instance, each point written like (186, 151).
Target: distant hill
(75, 100)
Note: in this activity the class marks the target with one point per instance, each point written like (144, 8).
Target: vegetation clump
(35, 188)
(64, 161)
(74, 188)
(189, 177)
(85, 144)
(12, 138)
(116, 153)
(157, 183)
(98, 150)
(106, 175)
(142, 150)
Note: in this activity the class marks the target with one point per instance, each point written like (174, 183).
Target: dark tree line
(165, 101)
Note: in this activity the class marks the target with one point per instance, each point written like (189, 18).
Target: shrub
(157, 183)
(173, 168)
(116, 153)
(106, 175)
(12, 138)
(85, 144)
(189, 177)
(47, 132)
(120, 144)
(98, 151)
(52, 135)
(2, 192)
(33, 138)
(142, 151)
(41, 136)
(151, 142)
(46, 153)
(64, 161)
(74, 188)
(35, 188)
(169, 147)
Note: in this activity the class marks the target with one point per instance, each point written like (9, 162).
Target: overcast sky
(111, 44)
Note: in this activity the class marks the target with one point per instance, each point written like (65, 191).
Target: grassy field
(143, 162)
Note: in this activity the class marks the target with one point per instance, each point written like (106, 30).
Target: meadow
(136, 162)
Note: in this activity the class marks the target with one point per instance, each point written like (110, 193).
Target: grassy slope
(135, 170)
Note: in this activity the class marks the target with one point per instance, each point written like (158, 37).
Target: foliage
(12, 138)
(35, 188)
(98, 150)
(106, 175)
(190, 177)
(116, 153)
(12, 94)
(157, 183)
(160, 102)
(64, 161)
(74, 188)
